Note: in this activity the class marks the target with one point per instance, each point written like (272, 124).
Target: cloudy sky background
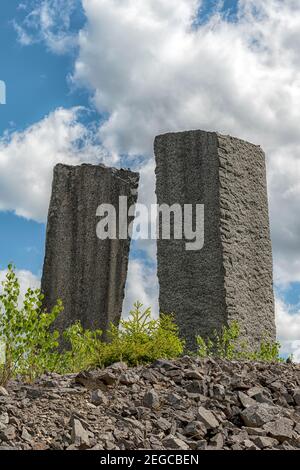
(96, 80)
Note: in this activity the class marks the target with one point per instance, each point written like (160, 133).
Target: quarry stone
(230, 278)
(86, 273)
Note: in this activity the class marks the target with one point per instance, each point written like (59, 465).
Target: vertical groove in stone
(245, 235)
(88, 274)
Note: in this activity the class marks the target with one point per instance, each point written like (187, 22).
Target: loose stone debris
(189, 403)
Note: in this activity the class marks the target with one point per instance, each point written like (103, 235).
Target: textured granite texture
(87, 273)
(231, 277)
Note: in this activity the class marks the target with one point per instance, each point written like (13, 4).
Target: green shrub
(85, 347)
(141, 339)
(30, 344)
(25, 332)
(228, 345)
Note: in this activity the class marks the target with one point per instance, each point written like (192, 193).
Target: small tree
(26, 337)
(142, 339)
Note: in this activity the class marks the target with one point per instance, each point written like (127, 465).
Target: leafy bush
(25, 332)
(228, 345)
(140, 339)
(30, 344)
(85, 347)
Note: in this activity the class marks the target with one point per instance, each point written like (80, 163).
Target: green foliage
(141, 339)
(228, 345)
(25, 331)
(30, 343)
(85, 347)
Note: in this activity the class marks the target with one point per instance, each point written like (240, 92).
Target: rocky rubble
(184, 404)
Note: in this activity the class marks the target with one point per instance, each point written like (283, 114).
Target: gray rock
(26, 436)
(246, 400)
(195, 429)
(257, 415)
(4, 418)
(87, 273)
(261, 398)
(98, 398)
(164, 364)
(255, 431)
(128, 379)
(8, 434)
(80, 436)
(118, 367)
(296, 396)
(163, 424)
(174, 400)
(172, 442)
(3, 392)
(207, 418)
(249, 445)
(265, 442)
(193, 375)
(151, 400)
(280, 429)
(217, 442)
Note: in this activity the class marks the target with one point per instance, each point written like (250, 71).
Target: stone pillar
(230, 278)
(87, 273)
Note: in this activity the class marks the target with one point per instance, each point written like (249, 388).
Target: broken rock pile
(183, 404)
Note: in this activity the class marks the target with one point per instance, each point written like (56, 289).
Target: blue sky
(229, 76)
(37, 83)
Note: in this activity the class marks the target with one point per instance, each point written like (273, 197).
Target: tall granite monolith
(86, 272)
(230, 278)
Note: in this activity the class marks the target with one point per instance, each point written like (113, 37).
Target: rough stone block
(87, 273)
(230, 278)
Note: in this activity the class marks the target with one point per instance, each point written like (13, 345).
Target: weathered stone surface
(98, 398)
(172, 442)
(280, 429)
(87, 273)
(263, 442)
(207, 418)
(3, 392)
(230, 278)
(246, 400)
(258, 415)
(80, 437)
(151, 399)
(297, 396)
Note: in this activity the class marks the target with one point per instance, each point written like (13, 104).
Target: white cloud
(27, 159)
(48, 21)
(141, 286)
(288, 328)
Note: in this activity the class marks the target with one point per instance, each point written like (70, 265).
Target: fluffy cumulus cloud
(27, 159)
(155, 67)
